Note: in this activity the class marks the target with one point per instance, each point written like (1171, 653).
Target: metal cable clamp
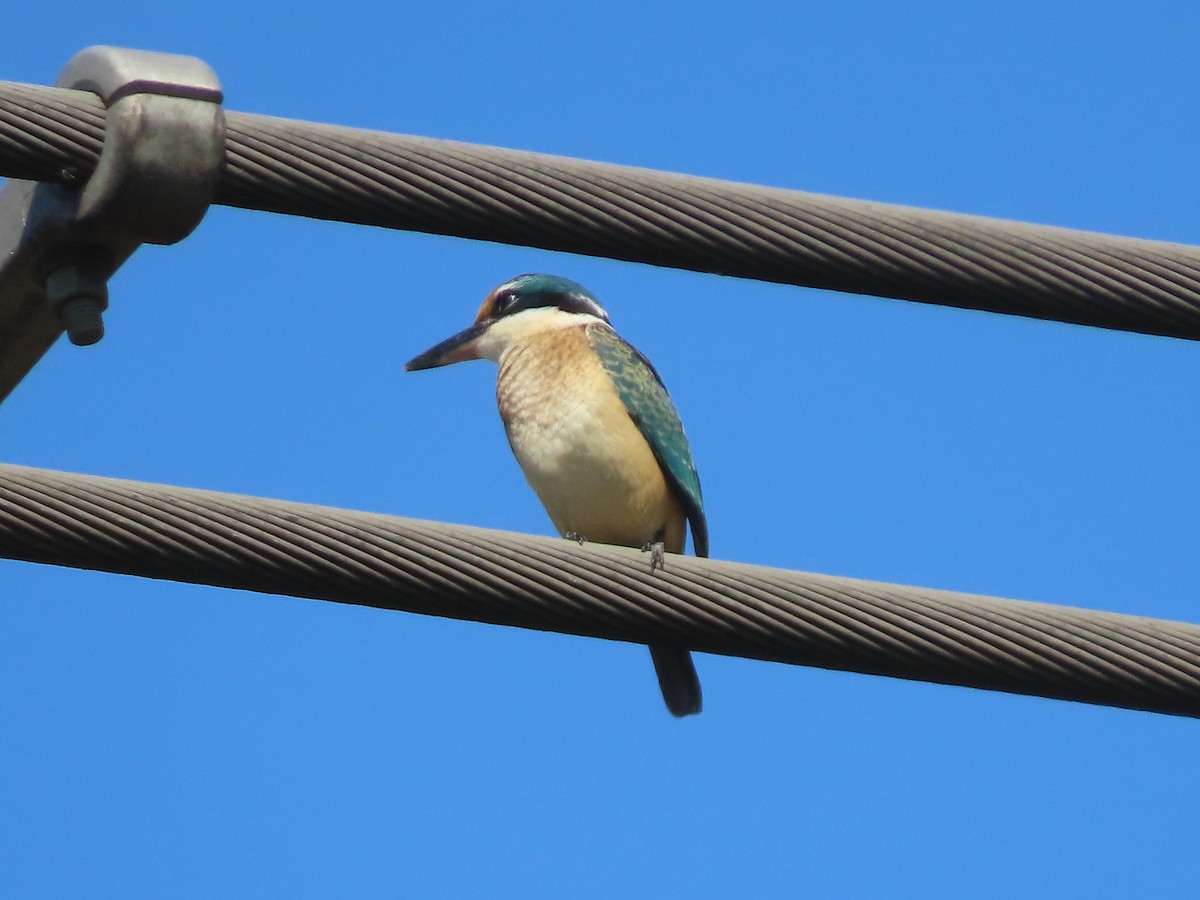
(164, 148)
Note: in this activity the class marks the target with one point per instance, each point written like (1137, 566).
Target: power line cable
(278, 547)
(666, 219)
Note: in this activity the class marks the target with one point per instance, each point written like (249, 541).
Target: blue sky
(171, 740)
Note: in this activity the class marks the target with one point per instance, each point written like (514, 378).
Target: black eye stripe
(511, 302)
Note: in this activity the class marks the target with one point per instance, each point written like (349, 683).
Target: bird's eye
(504, 303)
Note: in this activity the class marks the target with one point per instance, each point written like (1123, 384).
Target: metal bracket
(164, 147)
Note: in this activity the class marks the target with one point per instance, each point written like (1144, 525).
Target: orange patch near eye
(486, 309)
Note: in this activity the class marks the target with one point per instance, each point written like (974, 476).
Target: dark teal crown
(536, 290)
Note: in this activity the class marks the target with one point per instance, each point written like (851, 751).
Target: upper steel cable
(666, 219)
(610, 592)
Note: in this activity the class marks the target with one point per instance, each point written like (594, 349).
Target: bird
(594, 431)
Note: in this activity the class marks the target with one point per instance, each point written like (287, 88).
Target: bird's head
(519, 307)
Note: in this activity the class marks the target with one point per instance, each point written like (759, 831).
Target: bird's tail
(677, 679)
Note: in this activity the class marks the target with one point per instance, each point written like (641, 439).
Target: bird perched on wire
(593, 429)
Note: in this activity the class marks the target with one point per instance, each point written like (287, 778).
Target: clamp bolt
(78, 293)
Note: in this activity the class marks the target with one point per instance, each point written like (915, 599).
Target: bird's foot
(574, 536)
(658, 555)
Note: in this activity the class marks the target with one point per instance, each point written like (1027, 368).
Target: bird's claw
(658, 555)
(574, 536)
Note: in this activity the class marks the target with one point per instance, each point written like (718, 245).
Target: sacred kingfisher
(593, 429)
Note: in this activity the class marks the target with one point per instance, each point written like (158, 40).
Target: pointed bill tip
(458, 348)
(417, 363)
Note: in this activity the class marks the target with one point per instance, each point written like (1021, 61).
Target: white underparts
(580, 450)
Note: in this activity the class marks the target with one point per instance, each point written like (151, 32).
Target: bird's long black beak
(459, 348)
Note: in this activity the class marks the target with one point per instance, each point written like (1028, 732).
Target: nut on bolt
(78, 293)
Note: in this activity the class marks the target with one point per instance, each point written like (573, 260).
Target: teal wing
(641, 390)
